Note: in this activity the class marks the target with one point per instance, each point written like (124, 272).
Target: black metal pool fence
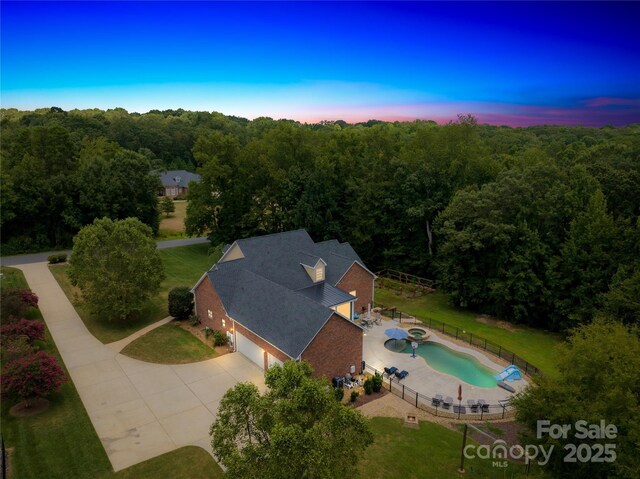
(456, 410)
(465, 336)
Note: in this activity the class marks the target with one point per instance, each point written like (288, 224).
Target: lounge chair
(390, 371)
(460, 409)
(402, 374)
(436, 400)
(472, 405)
(448, 401)
(483, 404)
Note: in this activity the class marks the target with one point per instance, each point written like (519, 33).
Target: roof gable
(264, 283)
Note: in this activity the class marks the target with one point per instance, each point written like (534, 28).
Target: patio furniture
(402, 374)
(348, 384)
(483, 405)
(459, 409)
(390, 371)
(436, 400)
(448, 401)
(472, 405)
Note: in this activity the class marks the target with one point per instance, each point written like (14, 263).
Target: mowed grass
(183, 265)
(534, 345)
(12, 278)
(172, 227)
(62, 443)
(169, 344)
(431, 451)
(188, 462)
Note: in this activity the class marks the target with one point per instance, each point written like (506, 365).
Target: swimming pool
(460, 365)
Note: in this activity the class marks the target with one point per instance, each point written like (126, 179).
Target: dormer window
(316, 273)
(319, 272)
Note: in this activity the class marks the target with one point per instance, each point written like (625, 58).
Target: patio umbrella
(396, 333)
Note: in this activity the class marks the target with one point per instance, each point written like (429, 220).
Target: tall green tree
(118, 186)
(585, 266)
(116, 266)
(599, 379)
(296, 429)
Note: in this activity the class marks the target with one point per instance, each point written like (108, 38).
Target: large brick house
(176, 182)
(282, 296)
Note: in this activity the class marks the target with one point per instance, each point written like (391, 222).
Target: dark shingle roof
(325, 294)
(269, 292)
(177, 177)
(285, 318)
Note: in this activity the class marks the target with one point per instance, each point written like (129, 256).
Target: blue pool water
(457, 364)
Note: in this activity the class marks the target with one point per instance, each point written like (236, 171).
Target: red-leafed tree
(33, 330)
(36, 375)
(16, 301)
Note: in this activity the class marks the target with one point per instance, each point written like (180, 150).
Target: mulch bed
(363, 398)
(36, 406)
(198, 332)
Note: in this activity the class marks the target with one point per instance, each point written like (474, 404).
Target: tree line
(537, 225)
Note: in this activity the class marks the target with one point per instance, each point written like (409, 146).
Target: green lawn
(533, 345)
(12, 278)
(169, 344)
(188, 462)
(61, 442)
(183, 266)
(433, 451)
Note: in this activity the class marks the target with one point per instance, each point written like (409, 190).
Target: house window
(224, 323)
(209, 314)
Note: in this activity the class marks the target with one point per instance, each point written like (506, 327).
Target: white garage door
(251, 350)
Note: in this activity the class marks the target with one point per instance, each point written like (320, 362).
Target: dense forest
(536, 225)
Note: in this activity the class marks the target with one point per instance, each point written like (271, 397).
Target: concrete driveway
(139, 410)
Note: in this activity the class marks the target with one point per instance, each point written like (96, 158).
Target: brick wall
(336, 348)
(268, 348)
(360, 280)
(207, 299)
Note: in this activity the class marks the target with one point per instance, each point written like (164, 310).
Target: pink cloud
(603, 101)
(595, 114)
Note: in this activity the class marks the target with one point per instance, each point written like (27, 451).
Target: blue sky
(507, 63)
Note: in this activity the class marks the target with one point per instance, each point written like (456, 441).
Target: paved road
(42, 257)
(138, 409)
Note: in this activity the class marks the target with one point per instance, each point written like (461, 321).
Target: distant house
(176, 182)
(282, 296)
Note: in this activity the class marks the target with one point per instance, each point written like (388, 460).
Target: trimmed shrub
(35, 375)
(194, 319)
(368, 386)
(377, 383)
(339, 393)
(180, 302)
(354, 396)
(219, 338)
(17, 301)
(32, 330)
(57, 258)
(15, 348)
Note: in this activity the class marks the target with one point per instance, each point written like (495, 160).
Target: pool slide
(510, 373)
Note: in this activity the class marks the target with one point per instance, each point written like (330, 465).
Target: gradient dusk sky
(511, 63)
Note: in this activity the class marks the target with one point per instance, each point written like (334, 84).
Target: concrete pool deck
(426, 380)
